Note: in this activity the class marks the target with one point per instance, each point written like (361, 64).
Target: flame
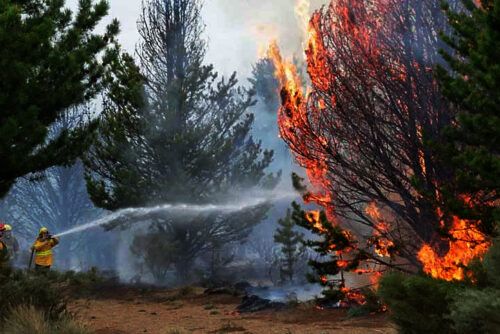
(373, 211)
(354, 296)
(342, 264)
(313, 217)
(421, 154)
(467, 243)
(383, 246)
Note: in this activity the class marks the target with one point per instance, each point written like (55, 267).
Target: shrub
(372, 304)
(476, 311)
(19, 288)
(27, 319)
(418, 304)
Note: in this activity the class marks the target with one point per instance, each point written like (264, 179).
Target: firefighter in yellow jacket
(43, 249)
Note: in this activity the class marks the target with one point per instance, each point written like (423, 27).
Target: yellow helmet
(8, 227)
(43, 230)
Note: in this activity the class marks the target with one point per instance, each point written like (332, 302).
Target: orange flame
(382, 245)
(293, 113)
(313, 218)
(467, 244)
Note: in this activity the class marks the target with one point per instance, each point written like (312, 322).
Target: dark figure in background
(11, 242)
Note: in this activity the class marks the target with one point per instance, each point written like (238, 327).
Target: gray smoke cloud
(236, 29)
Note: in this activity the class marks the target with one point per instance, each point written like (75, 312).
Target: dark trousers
(41, 269)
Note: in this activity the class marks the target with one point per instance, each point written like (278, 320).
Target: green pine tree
(333, 241)
(182, 137)
(265, 84)
(471, 81)
(470, 150)
(50, 60)
(292, 248)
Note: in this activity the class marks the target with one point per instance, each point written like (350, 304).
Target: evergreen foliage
(418, 304)
(471, 81)
(50, 59)
(180, 137)
(265, 84)
(292, 249)
(332, 242)
(469, 149)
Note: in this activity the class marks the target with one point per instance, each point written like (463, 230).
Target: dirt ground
(190, 311)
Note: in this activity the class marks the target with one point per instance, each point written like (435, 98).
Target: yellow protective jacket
(43, 251)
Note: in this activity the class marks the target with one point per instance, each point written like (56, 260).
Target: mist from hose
(185, 209)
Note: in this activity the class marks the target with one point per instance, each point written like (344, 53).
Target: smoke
(236, 30)
(243, 29)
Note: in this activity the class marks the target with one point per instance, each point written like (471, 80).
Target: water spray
(185, 209)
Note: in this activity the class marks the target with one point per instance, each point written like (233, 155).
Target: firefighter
(4, 251)
(11, 242)
(43, 250)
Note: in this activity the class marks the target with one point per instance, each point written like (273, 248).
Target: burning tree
(182, 138)
(360, 130)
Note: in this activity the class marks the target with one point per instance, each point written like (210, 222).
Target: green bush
(476, 311)
(418, 304)
(19, 288)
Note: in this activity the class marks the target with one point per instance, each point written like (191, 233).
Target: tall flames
(302, 108)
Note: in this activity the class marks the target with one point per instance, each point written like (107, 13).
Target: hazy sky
(236, 29)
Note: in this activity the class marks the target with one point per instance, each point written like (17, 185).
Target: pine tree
(470, 149)
(182, 137)
(50, 60)
(265, 84)
(471, 81)
(292, 248)
(333, 242)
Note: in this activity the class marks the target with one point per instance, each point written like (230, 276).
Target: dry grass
(26, 319)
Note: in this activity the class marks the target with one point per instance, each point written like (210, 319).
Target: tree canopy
(51, 59)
